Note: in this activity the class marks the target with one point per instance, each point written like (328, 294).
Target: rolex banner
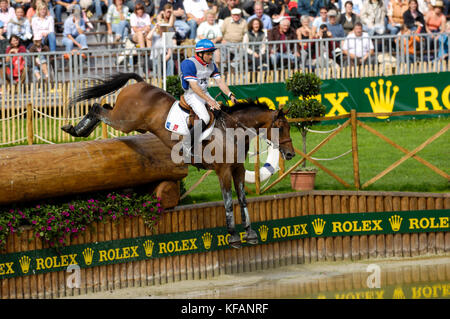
(421, 92)
(205, 240)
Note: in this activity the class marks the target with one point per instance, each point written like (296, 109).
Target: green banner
(211, 239)
(421, 92)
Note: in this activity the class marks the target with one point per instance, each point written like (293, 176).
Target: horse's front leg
(250, 236)
(224, 175)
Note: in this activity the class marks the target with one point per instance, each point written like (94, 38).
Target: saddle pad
(177, 120)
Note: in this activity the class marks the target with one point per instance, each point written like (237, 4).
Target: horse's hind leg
(86, 125)
(239, 179)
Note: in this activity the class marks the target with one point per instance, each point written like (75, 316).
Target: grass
(375, 155)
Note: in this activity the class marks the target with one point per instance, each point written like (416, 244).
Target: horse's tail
(104, 87)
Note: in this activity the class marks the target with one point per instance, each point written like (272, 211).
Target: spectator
(289, 10)
(212, 5)
(356, 5)
(131, 4)
(7, 13)
(256, 52)
(33, 8)
(149, 6)
(395, 11)
(166, 17)
(156, 42)
(333, 4)
(373, 16)
(357, 47)
(234, 27)
(209, 29)
(412, 15)
(270, 7)
(116, 21)
(64, 6)
(101, 6)
(324, 49)
(321, 19)
(309, 7)
(435, 19)
(17, 61)
(74, 32)
(336, 29)
(407, 43)
(20, 26)
(181, 27)
(140, 26)
(225, 12)
(43, 26)
(304, 32)
(259, 13)
(195, 11)
(282, 51)
(443, 52)
(349, 18)
(40, 64)
(25, 4)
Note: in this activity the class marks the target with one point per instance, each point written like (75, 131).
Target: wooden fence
(264, 256)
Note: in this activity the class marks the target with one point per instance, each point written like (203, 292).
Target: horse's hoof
(251, 237)
(235, 241)
(68, 128)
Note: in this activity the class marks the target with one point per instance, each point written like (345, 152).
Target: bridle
(239, 123)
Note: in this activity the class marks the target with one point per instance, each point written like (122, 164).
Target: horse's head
(283, 138)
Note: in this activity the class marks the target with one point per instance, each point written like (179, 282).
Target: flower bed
(56, 223)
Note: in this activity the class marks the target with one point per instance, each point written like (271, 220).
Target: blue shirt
(70, 27)
(266, 20)
(194, 70)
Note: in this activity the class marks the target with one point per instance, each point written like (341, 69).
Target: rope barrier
(43, 139)
(57, 118)
(12, 117)
(12, 142)
(323, 132)
(331, 158)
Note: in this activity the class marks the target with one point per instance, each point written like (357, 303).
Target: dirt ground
(410, 278)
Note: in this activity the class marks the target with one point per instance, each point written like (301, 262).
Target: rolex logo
(24, 262)
(148, 247)
(88, 253)
(396, 222)
(207, 239)
(398, 293)
(263, 231)
(318, 225)
(381, 101)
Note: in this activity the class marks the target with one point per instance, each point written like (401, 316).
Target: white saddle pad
(177, 122)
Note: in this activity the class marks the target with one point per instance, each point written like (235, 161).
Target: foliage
(304, 86)
(173, 86)
(56, 224)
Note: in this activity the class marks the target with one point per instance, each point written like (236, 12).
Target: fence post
(354, 125)
(30, 134)
(257, 177)
(104, 126)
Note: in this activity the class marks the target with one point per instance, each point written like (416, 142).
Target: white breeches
(198, 105)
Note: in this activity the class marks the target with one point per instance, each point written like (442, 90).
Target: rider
(195, 74)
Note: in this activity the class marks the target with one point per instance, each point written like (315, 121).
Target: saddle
(192, 115)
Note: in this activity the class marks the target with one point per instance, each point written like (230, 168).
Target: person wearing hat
(435, 19)
(336, 29)
(195, 74)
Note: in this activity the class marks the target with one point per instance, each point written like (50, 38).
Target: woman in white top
(116, 20)
(43, 26)
(140, 26)
(156, 38)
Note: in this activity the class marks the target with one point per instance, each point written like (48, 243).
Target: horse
(144, 108)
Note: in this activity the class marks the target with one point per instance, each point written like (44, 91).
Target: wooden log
(41, 171)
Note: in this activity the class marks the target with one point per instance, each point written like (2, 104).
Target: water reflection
(420, 280)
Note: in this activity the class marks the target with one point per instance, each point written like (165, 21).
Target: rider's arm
(225, 89)
(197, 90)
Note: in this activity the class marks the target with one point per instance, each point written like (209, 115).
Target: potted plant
(304, 86)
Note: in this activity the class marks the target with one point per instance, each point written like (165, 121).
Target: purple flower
(38, 206)
(114, 216)
(61, 240)
(34, 222)
(158, 205)
(71, 207)
(74, 230)
(49, 228)
(1, 228)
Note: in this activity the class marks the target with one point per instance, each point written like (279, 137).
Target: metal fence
(403, 54)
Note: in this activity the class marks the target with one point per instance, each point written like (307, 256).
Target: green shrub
(173, 86)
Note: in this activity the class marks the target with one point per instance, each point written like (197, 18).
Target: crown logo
(207, 239)
(382, 102)
(148, 247)
(318, 225)
(263, 231)
(88, 253)
(396, 222)
(24, 262)
(398, 293)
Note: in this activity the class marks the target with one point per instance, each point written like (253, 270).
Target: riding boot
(195, 133)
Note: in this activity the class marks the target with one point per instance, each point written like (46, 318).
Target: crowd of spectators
(35, 24)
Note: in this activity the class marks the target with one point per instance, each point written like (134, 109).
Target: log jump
(42, 171)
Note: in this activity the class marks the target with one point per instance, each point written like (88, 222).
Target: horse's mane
(244, 105)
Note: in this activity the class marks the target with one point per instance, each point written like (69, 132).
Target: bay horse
(144, 108)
